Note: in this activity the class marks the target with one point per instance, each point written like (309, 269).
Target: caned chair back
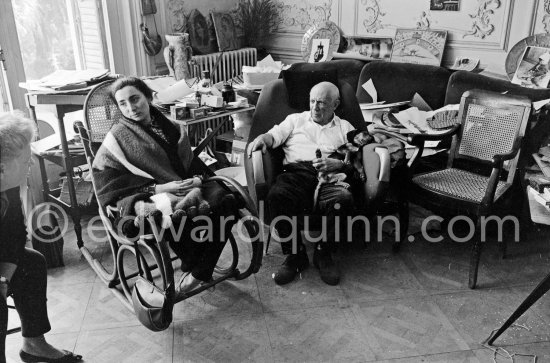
(100, 112)
(492, 124)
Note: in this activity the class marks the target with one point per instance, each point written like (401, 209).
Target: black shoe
(328, 270)
(69, 357)
(292, 265)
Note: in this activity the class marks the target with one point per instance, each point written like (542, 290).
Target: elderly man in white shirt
(300, 135)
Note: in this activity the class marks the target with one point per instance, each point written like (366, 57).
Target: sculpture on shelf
(177, 55)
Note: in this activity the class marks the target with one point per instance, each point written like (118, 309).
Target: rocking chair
(100, 114)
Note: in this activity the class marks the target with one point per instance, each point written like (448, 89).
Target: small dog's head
(359, 138)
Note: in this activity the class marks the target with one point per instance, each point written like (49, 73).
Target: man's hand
(3, 291)
(262, 142)
(327, 165)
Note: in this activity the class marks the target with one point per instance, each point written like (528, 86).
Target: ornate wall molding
(481, 24)
(300, 15)
(372, 17)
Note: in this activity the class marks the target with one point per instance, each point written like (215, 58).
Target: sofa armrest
(377, 167)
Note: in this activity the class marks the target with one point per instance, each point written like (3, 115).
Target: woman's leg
(28, 289)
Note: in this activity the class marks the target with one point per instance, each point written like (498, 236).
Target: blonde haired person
(22, 270)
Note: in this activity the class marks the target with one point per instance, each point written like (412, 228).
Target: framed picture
(199, 34)
(418, 46)
(225, 31)
(319, 50)
(533, 68)
(148, 7)
(449, 5)
(366, 48)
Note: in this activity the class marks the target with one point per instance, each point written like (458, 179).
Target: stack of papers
(66, 80)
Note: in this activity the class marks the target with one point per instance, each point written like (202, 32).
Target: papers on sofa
(416, 121)
(368, 86)
(537, 105)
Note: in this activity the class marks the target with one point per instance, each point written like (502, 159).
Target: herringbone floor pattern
(413, 306)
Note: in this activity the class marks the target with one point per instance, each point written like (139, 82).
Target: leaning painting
(366, 48)
(533, 68)
(199, 33)
(225, 31)
(418, 46)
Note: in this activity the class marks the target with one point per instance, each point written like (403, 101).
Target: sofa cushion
(400, 81)
(348, 69)
(299, 82)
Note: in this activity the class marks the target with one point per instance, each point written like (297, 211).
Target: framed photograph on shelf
(225, 31)
(533, 68)
(366, 48)
(419, 46)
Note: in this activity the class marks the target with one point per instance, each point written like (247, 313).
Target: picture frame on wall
(418, 46)
(363, 48)
(446, 5)
(533, 69)
(226, 33)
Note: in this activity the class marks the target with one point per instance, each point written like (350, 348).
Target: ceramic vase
(177, 55)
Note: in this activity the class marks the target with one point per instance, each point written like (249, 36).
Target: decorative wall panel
(300, 15)
(542, 19)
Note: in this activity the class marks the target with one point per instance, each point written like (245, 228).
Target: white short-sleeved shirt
(301, 136)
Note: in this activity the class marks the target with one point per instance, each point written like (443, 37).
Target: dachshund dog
(351, 155)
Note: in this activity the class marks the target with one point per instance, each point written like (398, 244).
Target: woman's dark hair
(130, 81)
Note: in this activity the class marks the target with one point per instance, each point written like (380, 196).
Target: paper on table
(158, 84)
(176, 91)
(371, 90)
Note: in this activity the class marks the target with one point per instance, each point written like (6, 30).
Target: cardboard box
(198, 112)
(212, 101)
(178, 112)
(259, 79)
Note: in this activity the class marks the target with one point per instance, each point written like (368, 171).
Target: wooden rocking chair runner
(482, 163)
(100, 114)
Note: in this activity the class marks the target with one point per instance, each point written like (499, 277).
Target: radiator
(230, 65)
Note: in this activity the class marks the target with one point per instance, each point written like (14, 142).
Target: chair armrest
(258, 167)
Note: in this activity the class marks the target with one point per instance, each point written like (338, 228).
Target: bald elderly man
(292, 195)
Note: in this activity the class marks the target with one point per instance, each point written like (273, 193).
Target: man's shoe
(328, 270)
(292, 265)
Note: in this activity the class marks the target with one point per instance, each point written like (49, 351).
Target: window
(57, 34)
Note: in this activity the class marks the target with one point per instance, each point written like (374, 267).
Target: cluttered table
(61, 150)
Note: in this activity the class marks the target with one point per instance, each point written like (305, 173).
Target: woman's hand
(179, 187)
(327, 165)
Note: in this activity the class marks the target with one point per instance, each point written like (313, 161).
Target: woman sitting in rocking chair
(145, 155)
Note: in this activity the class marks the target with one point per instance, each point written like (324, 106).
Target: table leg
(74, 208)
(536, 294)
